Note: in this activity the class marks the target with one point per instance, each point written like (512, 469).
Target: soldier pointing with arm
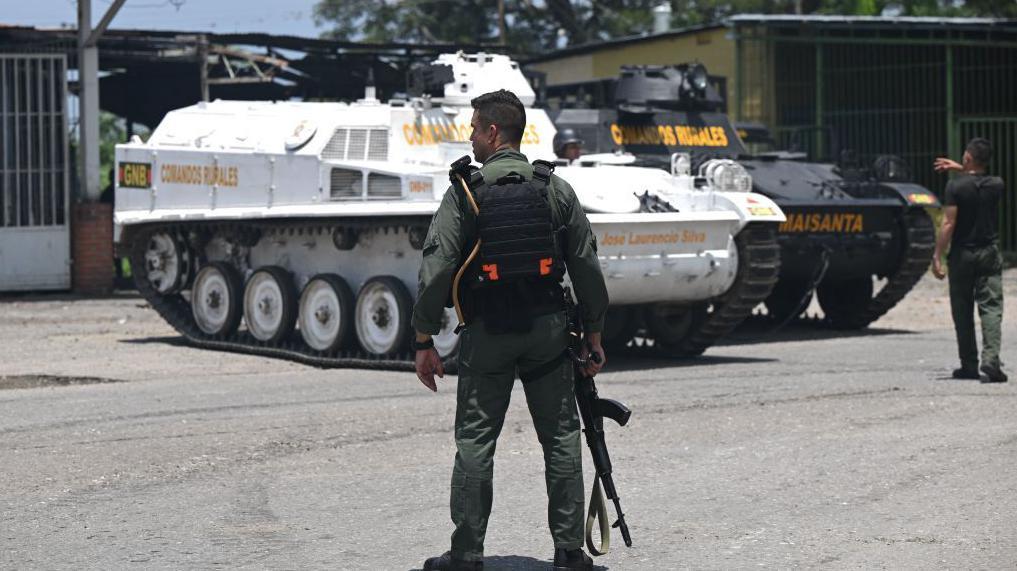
(532, 227)
(971, 232)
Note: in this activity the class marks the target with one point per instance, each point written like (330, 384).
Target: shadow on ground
(177, 340)
(44, 297)
(627, 361)
(519, 563)
(761, 330)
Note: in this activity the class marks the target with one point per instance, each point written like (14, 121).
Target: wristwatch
(422, 345)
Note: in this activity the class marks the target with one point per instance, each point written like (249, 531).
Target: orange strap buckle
(491, 270)
(545, 266)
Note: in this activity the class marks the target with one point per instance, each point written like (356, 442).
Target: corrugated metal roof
(874, 22)
(868, 19)
(595, 46)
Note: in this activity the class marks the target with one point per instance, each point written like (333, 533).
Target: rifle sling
(598, 510)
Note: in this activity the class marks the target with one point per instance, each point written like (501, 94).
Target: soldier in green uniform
(971, 230)
(492, 353)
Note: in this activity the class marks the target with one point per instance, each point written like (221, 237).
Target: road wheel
(620, 326)
(270, 304)
(326, 313)
(383, 316)
(672, 325)
(167, 263)
(844, 302)
(216, 299)
(446, 342)
(788, 300)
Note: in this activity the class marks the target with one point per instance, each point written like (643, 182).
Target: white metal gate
(34, 173)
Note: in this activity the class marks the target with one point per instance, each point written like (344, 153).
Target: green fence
(1003, 134)
(917, 95)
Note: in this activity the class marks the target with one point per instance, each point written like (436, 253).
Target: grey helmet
(564, 137)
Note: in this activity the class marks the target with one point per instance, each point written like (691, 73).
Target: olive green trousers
(487, 370)
(976, 278)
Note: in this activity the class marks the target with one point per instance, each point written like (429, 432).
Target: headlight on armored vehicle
(681, 164)
(725, 175)
(699, 80)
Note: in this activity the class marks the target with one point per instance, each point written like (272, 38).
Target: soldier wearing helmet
(568, 145)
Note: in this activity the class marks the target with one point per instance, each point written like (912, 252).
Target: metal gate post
(819, 154)
(952, 143)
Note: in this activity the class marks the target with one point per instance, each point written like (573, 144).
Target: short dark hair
(502, 108)
(980, 150)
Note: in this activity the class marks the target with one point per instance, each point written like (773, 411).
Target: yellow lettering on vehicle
(135, 175)
(420, 186)
(670, 135)
(612, 240)
(633, 239)
(435, 133)
(531, 136)
(848, 222)
(617, 135)
(206, 175)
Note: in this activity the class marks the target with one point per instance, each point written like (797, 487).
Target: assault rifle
(593, 410)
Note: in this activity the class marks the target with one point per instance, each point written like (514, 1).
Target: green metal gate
(917, 88)
(1002, 132)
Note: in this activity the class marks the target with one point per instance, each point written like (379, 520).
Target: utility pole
(91, 221)
(88, 94)
(501, 21)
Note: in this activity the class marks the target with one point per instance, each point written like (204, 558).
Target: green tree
(111, 132)
(533, 26)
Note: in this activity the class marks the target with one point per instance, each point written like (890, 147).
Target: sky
(283, 17)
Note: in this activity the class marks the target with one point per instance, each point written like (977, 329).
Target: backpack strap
(542, 171)
(471, 175)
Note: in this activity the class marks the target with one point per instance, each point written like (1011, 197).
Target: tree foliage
(536, 25)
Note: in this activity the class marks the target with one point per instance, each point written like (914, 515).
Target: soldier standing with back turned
(971, 230)
(514, 327)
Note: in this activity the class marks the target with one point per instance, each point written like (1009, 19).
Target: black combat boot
(963, 373)
(994, 373)
(447, 563)
(567, 559)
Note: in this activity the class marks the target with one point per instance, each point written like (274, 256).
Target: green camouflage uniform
(488, 365)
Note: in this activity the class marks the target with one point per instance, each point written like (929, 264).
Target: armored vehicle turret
(860, 238)
(294, 229)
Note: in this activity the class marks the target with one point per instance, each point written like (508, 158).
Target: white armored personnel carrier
(294, 229)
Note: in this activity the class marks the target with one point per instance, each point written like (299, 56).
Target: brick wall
(92, 248)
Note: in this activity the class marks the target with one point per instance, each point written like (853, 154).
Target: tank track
(176, 310)
(758, 269)
(915, 259)
(759, 266)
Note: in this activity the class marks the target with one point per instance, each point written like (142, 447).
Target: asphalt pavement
(121, 447)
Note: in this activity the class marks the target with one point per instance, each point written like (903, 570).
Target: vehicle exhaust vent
(378, 148)
(346, 183)
(384, 186)
(336, 147)
(357, 145)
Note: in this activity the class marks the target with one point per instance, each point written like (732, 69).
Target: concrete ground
(120, 447)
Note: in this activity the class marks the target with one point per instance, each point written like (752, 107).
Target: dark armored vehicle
(858, 237)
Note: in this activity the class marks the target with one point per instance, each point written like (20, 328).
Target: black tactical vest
(517, 231)
(520, 266)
